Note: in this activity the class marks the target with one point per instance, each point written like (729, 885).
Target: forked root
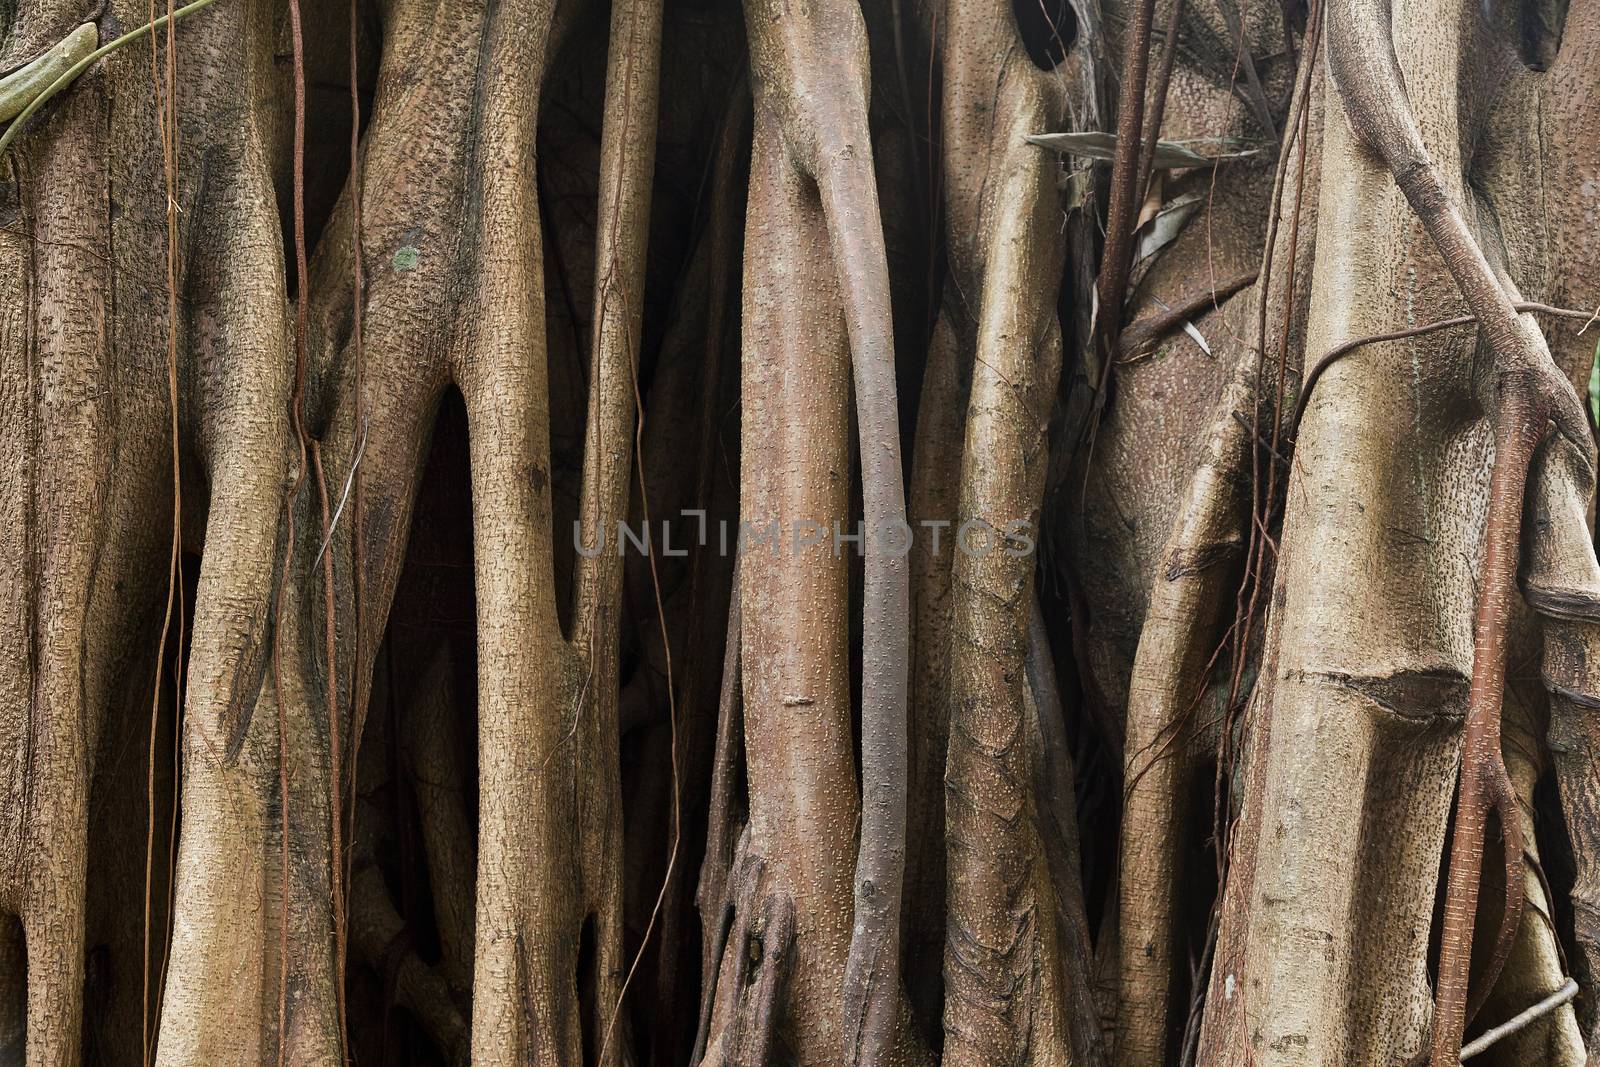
(813, 185)
(761, 943)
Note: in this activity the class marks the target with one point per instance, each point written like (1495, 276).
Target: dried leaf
(1199, 338)
(1094, 144)
(1165, 225)
(1153, 200)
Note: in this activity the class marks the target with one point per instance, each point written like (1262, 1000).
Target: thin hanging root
(1125, 194)
(1484, 783)
(1502, 800)
(1529, 391)
(1345, 348)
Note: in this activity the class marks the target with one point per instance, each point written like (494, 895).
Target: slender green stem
(72, 72)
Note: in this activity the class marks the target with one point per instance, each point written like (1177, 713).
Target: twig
(1142, 334)
(350, 479)
(1349, 346)
(1522, 1019)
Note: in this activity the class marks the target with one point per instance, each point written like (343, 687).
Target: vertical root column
(794, 470)
(1528, 393)
(55, 354)
(1177, 650)
(1004, 993)
(549, 810)
(816, 274)
(1561, 581)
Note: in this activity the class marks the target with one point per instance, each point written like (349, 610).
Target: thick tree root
(1528, 391)
(760, 964)
(815, 261)
(1292, 922)
(1561, 581)
(1058, 834)
(275, 421)
(1166, 710)
(1005, 1002)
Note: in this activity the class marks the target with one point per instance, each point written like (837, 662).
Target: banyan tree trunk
(984, 532)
